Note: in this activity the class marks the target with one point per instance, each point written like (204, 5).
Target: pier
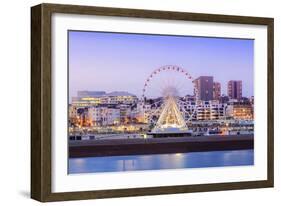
(138, 146)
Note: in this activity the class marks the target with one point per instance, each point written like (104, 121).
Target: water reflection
(161, 161)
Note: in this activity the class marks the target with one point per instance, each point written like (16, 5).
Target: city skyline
(97, 60)
(216, 92)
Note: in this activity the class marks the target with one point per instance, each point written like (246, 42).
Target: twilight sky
(122, 62)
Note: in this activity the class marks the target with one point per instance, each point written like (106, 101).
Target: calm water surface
(161, 161)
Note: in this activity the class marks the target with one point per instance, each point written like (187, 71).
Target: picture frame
(41, 101)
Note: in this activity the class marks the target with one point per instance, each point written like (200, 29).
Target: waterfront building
(119, 98)
(113, 116)
(240, 111)
(210, 110)
(74, 116)
(78, 116)
(189, 110)
(86, 101)
(125, 113)
(95, 98)
(216, 91)
(88, 98)
(204, 88)
(234, 89)
(149, 113)
(103, 116)
(72, 111)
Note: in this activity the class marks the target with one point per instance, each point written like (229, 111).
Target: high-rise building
(204, 88)
(216, 90)
(234, 89)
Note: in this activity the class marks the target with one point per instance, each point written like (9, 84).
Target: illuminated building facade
(72, 111)
(86, 101)
(210, 110)
(125, 113)
(119, 98)
(101, 116)
(240, 111)
(95, 98)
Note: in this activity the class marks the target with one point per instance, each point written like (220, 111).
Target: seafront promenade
(137, 146)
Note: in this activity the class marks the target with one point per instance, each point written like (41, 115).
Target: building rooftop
(119, 93)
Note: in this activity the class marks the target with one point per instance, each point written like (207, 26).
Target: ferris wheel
(169, 81)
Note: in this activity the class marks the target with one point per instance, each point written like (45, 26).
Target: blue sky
(122, 62)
